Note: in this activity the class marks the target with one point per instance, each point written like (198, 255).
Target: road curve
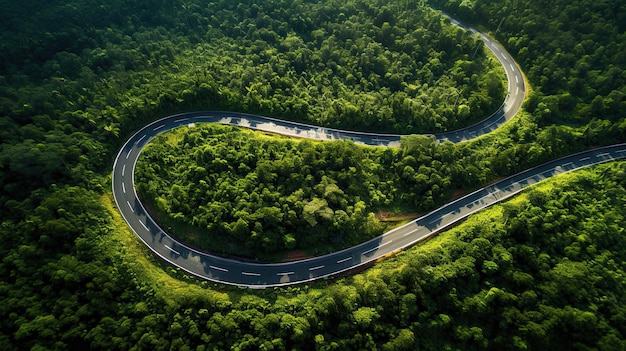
(516, 93)
(256, 275)
(248, 274)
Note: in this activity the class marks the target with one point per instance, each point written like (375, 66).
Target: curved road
(255, 275)
(512, 103)
(247, 274)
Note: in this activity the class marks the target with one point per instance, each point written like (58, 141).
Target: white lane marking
(344, 260)
(387, 243)
(140, 139)
(174, 251)
(123, 170)
(512, 67)
(144, 225)
(285, 273)
(128, 154)
(123, 188)
(516, 90)
(180, 120)
(131, 207)
(377, 247)
(516, 79)
(566, 164)
(602, 155)
(584, 159)
(316, 268)
(251, 274)
(527, 178)
(159, 127)
(369, 251)
(411, 232)
(219, 268)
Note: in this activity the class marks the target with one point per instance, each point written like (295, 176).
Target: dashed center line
(144, 225)
(526, 179)
(369, 251)
(251, 274)
(387, 243)
(411, 232)
(332, 135)
(174, 251)
(434, 220)
(219, 268)
(377, 247)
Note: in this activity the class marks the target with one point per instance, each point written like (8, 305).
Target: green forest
(237, 192)
(375, 66)
(544, 270)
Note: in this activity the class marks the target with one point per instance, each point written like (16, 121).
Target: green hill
(543, 271)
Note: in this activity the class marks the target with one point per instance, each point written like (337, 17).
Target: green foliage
(572, 52)
(242, 193)
(559, 284)
(544, 271)
(239, 192)
(376, 66)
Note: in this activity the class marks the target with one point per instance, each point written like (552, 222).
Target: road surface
(256, 275)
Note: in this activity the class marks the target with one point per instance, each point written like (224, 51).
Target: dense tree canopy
(578, 75)
(356, 64)
(238, 192)
(264, 194)
(542, 271)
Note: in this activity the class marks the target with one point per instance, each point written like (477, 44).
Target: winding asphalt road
(512, 103)
(254, 275)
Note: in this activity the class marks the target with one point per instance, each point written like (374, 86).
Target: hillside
(542, 271)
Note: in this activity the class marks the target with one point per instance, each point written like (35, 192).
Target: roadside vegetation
(542, 271)
(233, 191)
(367, 65)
